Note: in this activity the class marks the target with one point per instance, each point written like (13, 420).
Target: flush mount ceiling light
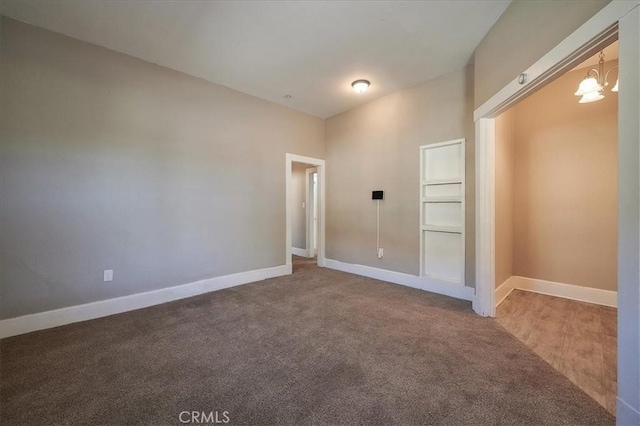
(591, 88)
(360, 85)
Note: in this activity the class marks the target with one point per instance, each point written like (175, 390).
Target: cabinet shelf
(438, 228)
(441, 182)
(442, 199)
(442, 211)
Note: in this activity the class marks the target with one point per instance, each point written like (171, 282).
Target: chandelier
(591, 88)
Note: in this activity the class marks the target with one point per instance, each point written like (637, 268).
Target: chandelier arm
(606, 76)
(596, 71)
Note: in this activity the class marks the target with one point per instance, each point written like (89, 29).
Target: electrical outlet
(108, 275)
(380, 253)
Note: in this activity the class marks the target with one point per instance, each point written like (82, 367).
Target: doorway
(617, 20)
(305, 209)
(304, 217)
(556, 226)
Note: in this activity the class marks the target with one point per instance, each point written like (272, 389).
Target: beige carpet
(317, 347)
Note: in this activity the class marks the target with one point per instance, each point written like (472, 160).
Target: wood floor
(578, 339)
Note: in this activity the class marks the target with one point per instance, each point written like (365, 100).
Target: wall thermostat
(377, 195)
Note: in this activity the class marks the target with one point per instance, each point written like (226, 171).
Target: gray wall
(525, 32)
(376, 146)
(110, 162)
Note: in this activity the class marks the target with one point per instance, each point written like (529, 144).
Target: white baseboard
(40, 321)
(504, 290)
(567, 291)
(423, 283)
(299, 252)
(626, 414)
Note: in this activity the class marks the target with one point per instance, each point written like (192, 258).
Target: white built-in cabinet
(442, 191)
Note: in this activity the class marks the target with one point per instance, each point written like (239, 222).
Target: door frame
(320, 166)
(617, 20)
(310, 203)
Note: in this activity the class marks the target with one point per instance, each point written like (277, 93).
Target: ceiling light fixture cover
(360, 85)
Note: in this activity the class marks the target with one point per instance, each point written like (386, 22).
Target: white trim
(299, 252)
(568, 53)
(484, 301)
(289, 159)
(322, 175)
(626, 414)
(551, 288)
(628, 222)
(43, 320)
(504, 290)
(423, 283)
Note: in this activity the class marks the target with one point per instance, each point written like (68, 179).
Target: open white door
(312, 211)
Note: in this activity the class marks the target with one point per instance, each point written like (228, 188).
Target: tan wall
(504, 196)
(110, 162)
(298, 215)
(376, 146)
(525, 32)
(565, 192)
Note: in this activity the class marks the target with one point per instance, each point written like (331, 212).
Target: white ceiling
(309, 50)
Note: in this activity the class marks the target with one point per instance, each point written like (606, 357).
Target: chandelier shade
(591, 97)
(588, 85)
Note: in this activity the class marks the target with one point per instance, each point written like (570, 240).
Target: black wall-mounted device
(377, 195)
